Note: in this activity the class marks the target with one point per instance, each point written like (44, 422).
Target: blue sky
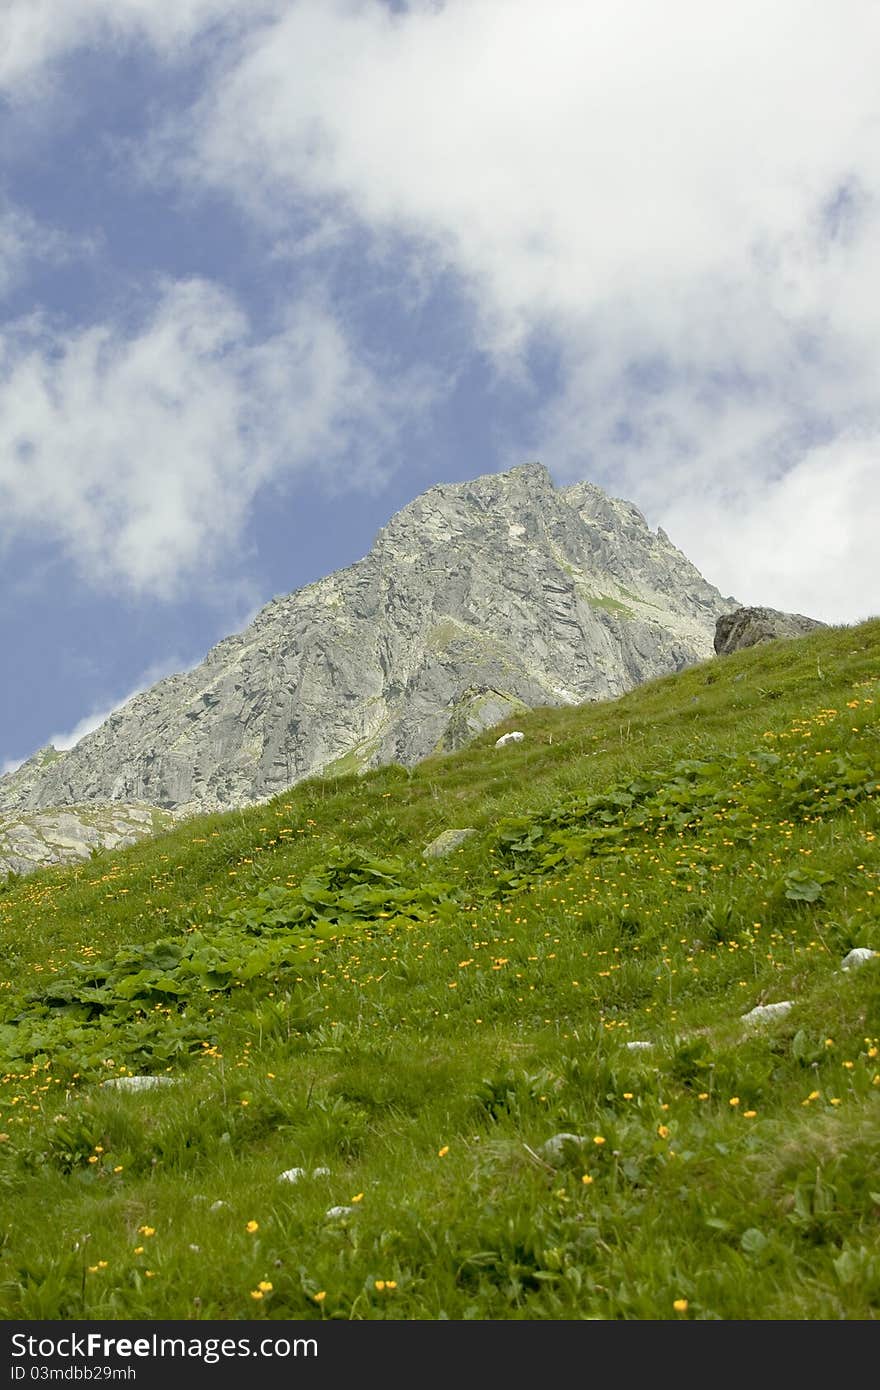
(271, 268)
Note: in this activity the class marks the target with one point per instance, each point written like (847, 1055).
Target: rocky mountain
(476, 600)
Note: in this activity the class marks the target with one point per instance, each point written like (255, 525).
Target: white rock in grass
(292, 1175)
(515, 737)
(560, 1145)
(857, 956)
(218, 1205)
(139, 1083)
(764, 1012)
(337, 1213)
(639, 1046)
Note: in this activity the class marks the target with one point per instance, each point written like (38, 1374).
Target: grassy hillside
(411, 1034)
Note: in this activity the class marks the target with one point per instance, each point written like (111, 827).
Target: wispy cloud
(803, 540)
(142, 450)
(37, 32)
(71, 737)
(26, 243)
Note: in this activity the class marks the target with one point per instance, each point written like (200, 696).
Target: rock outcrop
(32, 840)
(476, 600)
(746, 627)
(446, 842)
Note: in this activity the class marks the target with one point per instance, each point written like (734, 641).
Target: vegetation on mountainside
(411, 1033)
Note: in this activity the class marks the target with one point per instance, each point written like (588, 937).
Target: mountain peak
(477, 599)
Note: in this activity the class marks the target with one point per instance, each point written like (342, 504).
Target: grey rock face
(748, 626)
(446, 842)
(30, 840)
(474, 711)
(856, 957)
(560, 1147)
(476, 600)
(765, 1013)
(139, 1083)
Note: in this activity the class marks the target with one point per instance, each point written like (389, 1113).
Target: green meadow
(408, 1038)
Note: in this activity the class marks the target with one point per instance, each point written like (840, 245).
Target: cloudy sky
(271, 268)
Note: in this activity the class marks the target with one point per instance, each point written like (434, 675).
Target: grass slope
(411, 1034)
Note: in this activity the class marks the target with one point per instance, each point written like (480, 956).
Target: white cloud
(561, 154)
(141, 452)
(804, 542)
(681, 200)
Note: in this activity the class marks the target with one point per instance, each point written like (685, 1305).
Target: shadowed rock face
(749, 626)
(477, 599)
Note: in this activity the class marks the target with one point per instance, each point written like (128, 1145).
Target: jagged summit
(475, 600)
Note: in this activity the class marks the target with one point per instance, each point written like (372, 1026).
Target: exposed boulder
(295, 1174)
(856, 957)
(139, 1083)
(746, 627)
(516, 736)
(561, 1148)
(765, 1013)
(32, 840)
(476, 710)
(446, 842)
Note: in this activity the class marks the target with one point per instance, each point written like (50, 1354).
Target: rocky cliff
(476, 600)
